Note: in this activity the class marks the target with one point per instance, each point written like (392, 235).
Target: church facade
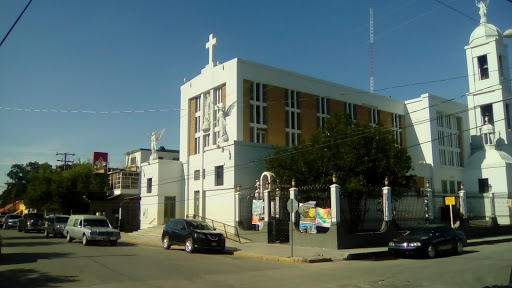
(234, 113)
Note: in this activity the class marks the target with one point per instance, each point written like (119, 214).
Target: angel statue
(155, 136)
(221, 118)
(483, 10)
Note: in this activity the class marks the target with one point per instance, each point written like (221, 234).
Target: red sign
(99, 160)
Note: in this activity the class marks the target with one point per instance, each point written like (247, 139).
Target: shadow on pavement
(23, 258)
(29, 278)
(28, 244)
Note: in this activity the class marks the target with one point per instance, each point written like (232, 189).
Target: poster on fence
(257, 211)
(307, 213)
(323, 217)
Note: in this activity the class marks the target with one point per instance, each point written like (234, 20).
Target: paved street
(30, 260)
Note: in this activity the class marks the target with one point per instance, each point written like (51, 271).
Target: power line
(15, 23)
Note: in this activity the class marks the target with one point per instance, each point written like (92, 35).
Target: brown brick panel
(276, 117)
(362, 114)
(192, 126)
(336, 107)
(386, 119)
(403, 140)
(308, 111)
(223, 95)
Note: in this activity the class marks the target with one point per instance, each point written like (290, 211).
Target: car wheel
(68, 238)
(166, 243)
(113, 242)
(25, 230)
(46, 233)
(459, 247)
(431, 251)
(189, 245)
(84, 240)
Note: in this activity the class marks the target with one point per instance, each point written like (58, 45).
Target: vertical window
(453, 189)
(206, 140)
(374, 116)
(483, 185)
(351, 111)
(322, 113)
(397, 128)
(444, 186)
(197, 175)
(219, 175)
(292, 118)
(258, 113)
(507, 115)
(149, 185)
(197, 146)
(448, 138)
(483, 67)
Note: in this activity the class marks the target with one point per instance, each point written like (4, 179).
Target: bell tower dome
(489, 84)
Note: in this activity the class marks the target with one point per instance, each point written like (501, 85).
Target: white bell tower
(489, 85)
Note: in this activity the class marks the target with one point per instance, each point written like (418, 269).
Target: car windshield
(420, 232)
(96, 223)
(14, 217)
(200, 226)
(61, 219)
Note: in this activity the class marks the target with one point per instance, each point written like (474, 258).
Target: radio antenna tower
(371, 46)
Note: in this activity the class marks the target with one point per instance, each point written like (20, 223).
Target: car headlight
(391, 243)
(414, 244)
(199, 235)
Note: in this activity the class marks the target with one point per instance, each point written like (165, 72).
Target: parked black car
(55, 225)
(11, 220)
(31, 222)
(193, 234)
(428, 241)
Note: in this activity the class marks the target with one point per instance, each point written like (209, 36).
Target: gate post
(463, 202)
(429, 204)
(238, 196)
(335, 201)
(386, 201)
(266, 202)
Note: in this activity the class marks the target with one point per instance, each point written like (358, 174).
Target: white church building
(234, 113)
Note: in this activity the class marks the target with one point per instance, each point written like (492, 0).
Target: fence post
(238, 196)
(463, 203)
(493, 204)
(386, 202)
(429, 205)
(335, 203)
(266, 202)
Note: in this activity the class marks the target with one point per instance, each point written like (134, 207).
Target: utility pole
(66, 161)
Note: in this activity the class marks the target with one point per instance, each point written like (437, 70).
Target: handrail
(232, 234)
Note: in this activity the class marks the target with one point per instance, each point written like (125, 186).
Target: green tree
(19, 179)
(66, 191)
(361, 156)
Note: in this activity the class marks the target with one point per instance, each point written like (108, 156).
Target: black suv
(31, 222)
(193, 234)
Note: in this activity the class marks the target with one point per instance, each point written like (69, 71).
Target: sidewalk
(283, 252)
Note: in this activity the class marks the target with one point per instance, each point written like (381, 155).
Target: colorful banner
(323, 217)
(307, 214)
(257, 211)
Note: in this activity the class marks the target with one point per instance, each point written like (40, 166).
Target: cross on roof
(209, 46)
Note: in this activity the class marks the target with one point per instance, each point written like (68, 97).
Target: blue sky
(107, 56)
